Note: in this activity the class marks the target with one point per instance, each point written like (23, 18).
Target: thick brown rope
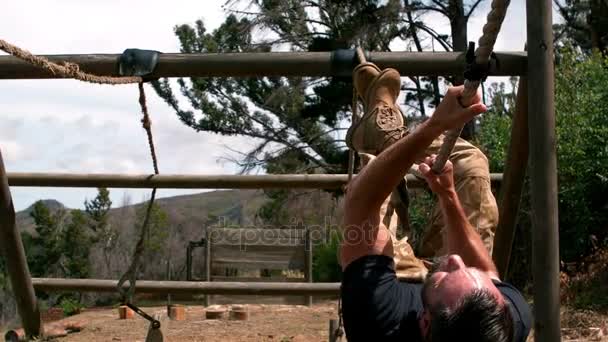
(71, 70)
(131, 273)
(483, 52)
(66, 69)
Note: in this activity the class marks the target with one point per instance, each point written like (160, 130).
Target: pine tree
(46, 245)
(105, 235)
(76, 246)
(303, 119)
(585, 24)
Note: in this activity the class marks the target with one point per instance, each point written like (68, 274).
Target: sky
(69, 126)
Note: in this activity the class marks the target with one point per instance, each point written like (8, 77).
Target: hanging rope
(66, 69)
(131, 273)
(71, 70)
(482, 59)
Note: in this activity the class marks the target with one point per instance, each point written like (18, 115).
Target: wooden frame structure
(254, 249)
(536, 66)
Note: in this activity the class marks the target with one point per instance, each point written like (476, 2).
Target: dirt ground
(280, 323)
(276, 323)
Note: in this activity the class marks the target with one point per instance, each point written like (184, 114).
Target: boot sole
(351, 130)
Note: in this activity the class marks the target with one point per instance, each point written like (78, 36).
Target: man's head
(463, 304)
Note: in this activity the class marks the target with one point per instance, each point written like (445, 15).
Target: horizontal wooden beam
(188, 287)
(270, 64)
(93, 180)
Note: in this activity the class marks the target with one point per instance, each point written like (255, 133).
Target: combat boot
(383, 123)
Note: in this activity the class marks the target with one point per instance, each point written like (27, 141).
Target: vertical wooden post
(543, 171)
(207, 263)
(16, 262)
(189, 262)
(512, 181)
(333, 327)
(168, 277)
(308, 245)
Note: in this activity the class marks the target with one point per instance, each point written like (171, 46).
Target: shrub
(581, 100)
(70, 306)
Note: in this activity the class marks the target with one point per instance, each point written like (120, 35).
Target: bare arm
(363, 232)
(460, 238)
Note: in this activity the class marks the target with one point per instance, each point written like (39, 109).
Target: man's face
(452, 280)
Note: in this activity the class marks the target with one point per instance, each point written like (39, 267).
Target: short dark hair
(478, 317)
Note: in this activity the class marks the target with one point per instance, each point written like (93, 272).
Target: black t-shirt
(378, 307)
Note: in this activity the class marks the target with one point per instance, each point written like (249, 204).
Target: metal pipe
(93, 180)
(543, 171)
(16, 262)
(513, 181)
(186, 287)
(269, 64)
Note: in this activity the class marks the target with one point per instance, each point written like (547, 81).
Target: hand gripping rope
(477, 71)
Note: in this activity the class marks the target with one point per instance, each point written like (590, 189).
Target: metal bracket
(155, 323)
(136, 62)
(343, 61)
(474, 71)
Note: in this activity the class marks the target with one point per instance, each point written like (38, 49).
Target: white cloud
(11, 150)
(68, 126)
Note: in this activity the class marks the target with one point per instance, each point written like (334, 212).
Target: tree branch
(472, 9)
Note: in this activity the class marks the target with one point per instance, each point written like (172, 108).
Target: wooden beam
(513, 181)
(94, 180)
(208, 263)
(543, 171)
(184, 287)
(269, 64)
(11, 247)
(308, 246)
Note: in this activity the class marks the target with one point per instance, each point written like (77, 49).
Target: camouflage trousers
(472, 182)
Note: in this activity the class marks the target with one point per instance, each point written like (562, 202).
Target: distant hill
(236, 206)
(188, 218)
(26, 223)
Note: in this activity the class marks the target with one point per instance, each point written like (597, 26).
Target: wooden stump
(214, 314)
(176, 312)
(124, 312)
(239, 313)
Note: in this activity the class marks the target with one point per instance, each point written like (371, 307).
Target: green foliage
(582, 133)
(97, 210)
(300, 115)
(585, 24)
(70, 306)
(76, 247)
(326, 266)
(157, 228)
(45, 250)
(494, 137)
(422, 203)
(581, 100)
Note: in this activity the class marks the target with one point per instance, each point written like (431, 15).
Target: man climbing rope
(464, 299)
(383, 125)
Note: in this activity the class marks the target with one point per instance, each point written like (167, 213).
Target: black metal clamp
(474, 71)
(343, 61)
(137, 62)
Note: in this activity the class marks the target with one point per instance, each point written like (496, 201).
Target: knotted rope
(482, 58)
(131, 273)
(71, 70)
(66, 69)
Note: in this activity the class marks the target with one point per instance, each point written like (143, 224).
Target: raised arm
(460, 237)
(363, 232)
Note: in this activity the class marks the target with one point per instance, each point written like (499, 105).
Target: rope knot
(146, 122)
